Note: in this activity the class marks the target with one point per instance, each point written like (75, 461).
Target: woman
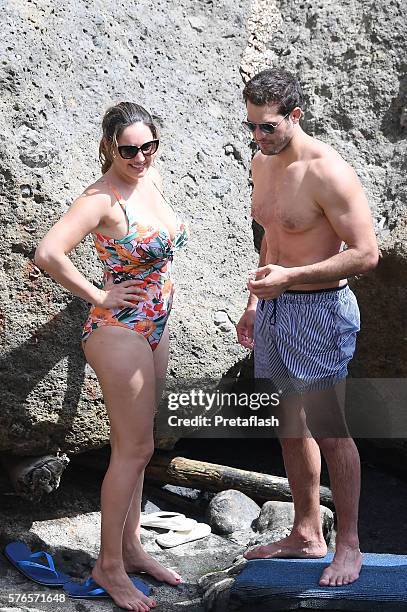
(125, 337)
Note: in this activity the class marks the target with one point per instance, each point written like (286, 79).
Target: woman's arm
(82, 218)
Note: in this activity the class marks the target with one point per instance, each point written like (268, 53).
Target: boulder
(182, 62)
(230, 511)
(275, 515)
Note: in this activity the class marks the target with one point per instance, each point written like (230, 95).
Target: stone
(216, 586)
(69, 529)
(223, 322)
(26, 191)
(52, 100)
(196, 24)
(230, 511)
(231, 149)
(276, 515)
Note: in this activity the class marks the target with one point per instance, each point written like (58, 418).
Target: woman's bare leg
(135, 558)
(124, 366)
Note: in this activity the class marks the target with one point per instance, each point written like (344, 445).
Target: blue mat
(287, 584)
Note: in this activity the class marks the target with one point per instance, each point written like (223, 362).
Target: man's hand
(271, 281)
(245, 328)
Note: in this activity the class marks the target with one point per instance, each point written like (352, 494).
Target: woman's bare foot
(289, 547)
(120, 588)
(345, 566)
(137, 560)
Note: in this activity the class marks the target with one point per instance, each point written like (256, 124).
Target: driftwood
(214, 477)
(31, 477)
(170, 469)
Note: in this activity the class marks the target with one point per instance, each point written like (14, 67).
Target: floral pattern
(146, 254)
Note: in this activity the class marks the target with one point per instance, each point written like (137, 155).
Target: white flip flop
(167, 520)
(175, 538)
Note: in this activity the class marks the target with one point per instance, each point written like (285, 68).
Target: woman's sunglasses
(130, 151)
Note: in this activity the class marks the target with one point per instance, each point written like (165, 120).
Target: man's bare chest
(286, 205)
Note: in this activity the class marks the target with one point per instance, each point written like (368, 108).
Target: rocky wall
(62, 65)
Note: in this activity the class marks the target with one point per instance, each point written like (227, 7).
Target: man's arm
(245, 327)
(339, 193)
(253, 299)
(341, 196)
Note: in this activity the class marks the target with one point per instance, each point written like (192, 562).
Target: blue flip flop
(30, 565)
(91, 590)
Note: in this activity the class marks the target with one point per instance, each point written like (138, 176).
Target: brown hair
(274, 86)
(115, 120)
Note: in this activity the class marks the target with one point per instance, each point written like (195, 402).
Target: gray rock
(223, 322)
(216, 586)
(230, 511)
(279, 516)
(196, 23)
(231, 149)
(242, 537)
(53, 99)
(69, 528)
(26, 191)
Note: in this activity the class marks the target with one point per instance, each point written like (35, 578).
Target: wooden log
(31, 477)
(170, 469)
(214, 477)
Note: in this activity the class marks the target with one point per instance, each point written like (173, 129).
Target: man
(302, 317)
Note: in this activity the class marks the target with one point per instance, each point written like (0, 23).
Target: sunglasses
(130, 151)
(266, 128)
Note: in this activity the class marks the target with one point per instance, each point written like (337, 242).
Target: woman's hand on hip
(122, 295)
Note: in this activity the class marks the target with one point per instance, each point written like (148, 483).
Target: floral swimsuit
(145, 254)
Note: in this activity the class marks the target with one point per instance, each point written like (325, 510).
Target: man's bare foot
(289, 547)
(345, 566)
(120, 588)
(137, 560)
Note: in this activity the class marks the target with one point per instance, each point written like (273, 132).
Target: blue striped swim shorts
(304, 340)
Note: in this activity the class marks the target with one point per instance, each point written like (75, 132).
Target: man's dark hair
(274, 86)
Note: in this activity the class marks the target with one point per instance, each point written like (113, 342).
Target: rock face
(64, 64)
(62, 67)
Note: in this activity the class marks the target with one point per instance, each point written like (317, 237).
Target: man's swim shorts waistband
(331, 294)
(308, 291)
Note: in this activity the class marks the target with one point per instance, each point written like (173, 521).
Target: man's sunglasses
(266, 128)
(130, 151)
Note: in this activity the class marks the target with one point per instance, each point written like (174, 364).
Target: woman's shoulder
(98, 194)
(98, 189)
